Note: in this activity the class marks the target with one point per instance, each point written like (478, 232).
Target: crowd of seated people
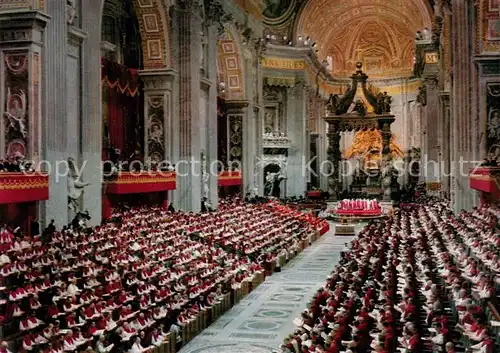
(15, 164)
(423, 281)
(122, 286)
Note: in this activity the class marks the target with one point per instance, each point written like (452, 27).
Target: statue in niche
(75, 186)
(272, 185)
(268, 186)
(269, 122)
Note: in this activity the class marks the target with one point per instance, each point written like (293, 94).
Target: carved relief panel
(493, 118)
(235, 141)
(155, 128)
(415, 124)
(16, 104)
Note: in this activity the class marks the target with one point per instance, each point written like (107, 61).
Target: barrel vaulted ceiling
(380, 33)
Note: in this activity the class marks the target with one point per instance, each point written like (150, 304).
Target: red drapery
(123, 106)
(115, 120)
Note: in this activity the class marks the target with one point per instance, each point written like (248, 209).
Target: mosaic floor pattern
(260, 322)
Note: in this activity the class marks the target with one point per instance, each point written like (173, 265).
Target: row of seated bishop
(148, 269)
(424, 281)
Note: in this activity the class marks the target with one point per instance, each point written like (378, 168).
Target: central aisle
(260, 322)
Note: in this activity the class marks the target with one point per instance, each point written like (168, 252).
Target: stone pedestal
(22, 34)
(158, 112)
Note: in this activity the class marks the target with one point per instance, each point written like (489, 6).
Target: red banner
(229, 179)
(21, 187)
(485, 179)
(139, 183)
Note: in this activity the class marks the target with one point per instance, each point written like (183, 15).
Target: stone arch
(155, 30)
(230, 65)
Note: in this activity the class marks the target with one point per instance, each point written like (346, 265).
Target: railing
(23, 187)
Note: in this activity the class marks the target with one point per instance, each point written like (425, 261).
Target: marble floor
(260, 322)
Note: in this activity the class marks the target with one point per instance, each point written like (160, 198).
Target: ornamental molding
(22, 27)
(158, 80)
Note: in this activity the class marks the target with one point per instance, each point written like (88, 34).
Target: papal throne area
(249, 176)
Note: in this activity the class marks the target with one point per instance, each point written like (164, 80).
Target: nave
(261, 321)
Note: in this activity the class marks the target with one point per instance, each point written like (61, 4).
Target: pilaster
(430, 146)
(296, 129)
(158, 111)
(91, 110)
(211, 118)
(187, 18)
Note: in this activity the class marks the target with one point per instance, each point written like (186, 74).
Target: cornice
(22, 26)
(157, 79)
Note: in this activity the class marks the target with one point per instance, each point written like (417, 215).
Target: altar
(368, 166)
(349, 211)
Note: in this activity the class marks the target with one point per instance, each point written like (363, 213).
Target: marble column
(91, 109)
(386, 159)
(430, 147)
(296, 129)
(461, 97)
(250, 129)
(55, 128)
(322, 155)
(188, 23)
(211, 117)
(333, 153)
(446, 142)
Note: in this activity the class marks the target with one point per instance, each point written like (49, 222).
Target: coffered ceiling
(380, 33)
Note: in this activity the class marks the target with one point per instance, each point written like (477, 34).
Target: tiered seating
(136, 281)
(408, 285)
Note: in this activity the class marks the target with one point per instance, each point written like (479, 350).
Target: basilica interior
(249, 176)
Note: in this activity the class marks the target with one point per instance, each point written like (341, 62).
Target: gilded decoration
(145, 178)
(367, 145)
(490, 31)
(18, 181)
(229, 66)
(154, 27)
(283, 64)
(380, 34)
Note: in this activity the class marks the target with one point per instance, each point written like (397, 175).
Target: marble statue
(268, 186)
(71, 11)
(75, 187)
(204, 177)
